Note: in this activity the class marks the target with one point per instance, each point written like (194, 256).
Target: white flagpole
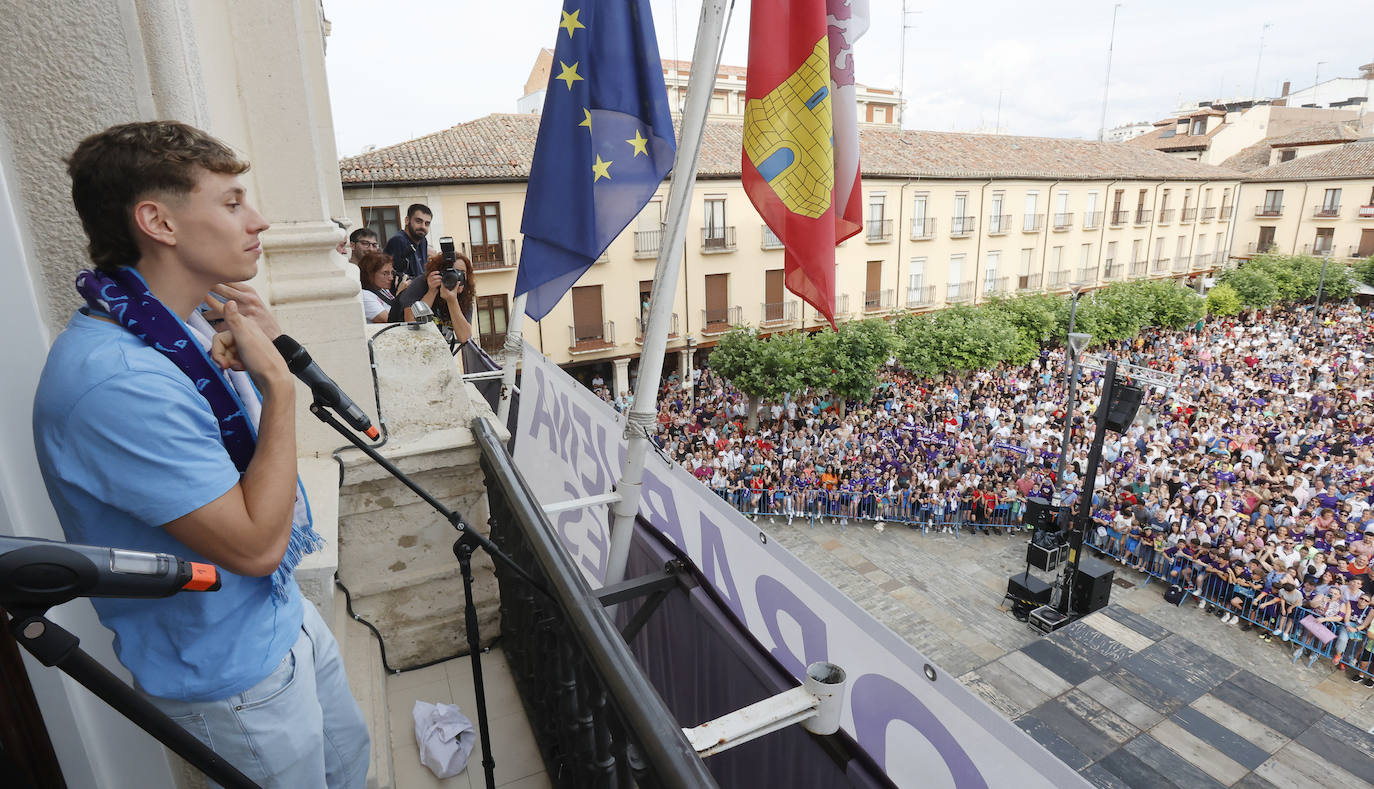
(515, 322)
(643, 417)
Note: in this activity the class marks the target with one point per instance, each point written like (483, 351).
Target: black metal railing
(584, 336)
(1201, 260)
(1092, 220)
(1063, 221)
(1113, 270)
(719, 321)
(1208, 214)
(956, 292)
(877, 230)
(1326, 210)
(1166, 215)
(920, 297)
(1087, 274)
(647, 242)
(718, 239)
(490, 256)
(999, 224)
(994, 286)
(1160, 265)
(1189, 214)
(1028, 282)
(597, 719)
(1121, 217)
(962, 225)
(922, 228)
(1059, 279)
(1182, 264)
(1225, 212)
(644, 322)
(1031, 223)
(770, 239)
(1142, 216)
(875, 300)
(1139, 267)
(1269, 209)
(774, 312)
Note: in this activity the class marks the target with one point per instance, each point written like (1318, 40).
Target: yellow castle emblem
(788, 136)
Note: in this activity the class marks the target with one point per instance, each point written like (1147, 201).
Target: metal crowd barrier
(1217, 593)
(816, 505)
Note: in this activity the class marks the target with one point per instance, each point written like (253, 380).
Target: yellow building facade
(1321, 204)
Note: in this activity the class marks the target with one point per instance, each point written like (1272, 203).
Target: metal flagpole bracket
(816, 705)
(586, 501)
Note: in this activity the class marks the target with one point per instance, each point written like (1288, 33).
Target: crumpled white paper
(444, 736)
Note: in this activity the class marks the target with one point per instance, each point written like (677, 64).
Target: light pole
(1317, 79)
(1254, 91)
(1107, 83)
(1320, 284)
(1076, 342)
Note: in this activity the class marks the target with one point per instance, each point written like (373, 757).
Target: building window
(484, 228)
(1331, 202)
(1287, 155)
(1273, 201)
(1027, 257)
(1199, 126)
(384, 220)
(491, 322)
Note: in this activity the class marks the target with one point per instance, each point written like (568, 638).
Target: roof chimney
(1367, 71)
(1286, 86)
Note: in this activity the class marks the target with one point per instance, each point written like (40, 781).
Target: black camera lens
(453, 278)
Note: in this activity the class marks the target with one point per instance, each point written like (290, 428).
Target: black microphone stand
(469, 540)
(54, 646)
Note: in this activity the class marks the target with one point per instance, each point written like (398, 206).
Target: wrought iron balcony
(1269, 210)
(1160, 266)
(1092, 220)
(1166, 215)
(1326, 210)
(1028, 282)
(957, 292)
(1259, 248)
(1182, 264)
(719, 321)
(963, 225)
(1202, 260)
(1121, 217)
(922, 228)
(878, 231)
(919, 297)
(486, 257)
(1143, 215)
(1189, 214)
(878, 300)
(587, 337)
(596, 717)
(770, 239)
(996, 286)
(1225, 213)
(1319, 250)
(999, 224)
(646, 243)
(777, 312)
(841, 305)
(1087, 274)
(1113, 270)
(1059, 279)
(1032, 223)
(1208, 214)
(644, 323)
(1139, 267)
(718, 239)
(1063, 222)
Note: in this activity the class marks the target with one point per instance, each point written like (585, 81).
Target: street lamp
(1077, 341)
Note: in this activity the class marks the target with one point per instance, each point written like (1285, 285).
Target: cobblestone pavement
(1141, 693)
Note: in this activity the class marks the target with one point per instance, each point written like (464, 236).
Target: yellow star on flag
(601, 169)
(639, 142)
(587, 118)
(569, 74)
(570, 22)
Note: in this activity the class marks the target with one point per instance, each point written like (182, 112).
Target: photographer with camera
(448, 290)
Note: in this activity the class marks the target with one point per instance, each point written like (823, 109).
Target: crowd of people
(1249, 485)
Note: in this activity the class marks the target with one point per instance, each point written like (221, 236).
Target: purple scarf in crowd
(124, 296)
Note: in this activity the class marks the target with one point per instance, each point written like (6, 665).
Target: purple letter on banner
(775, 598)
(877, 701)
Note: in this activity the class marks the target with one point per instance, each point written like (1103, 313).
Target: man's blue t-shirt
(127, 444)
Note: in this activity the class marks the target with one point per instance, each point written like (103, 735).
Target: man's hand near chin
(250, 305)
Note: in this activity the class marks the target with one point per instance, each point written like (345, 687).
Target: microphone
(37, 572)
(327, 393)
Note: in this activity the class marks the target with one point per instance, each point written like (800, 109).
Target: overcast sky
(404, 68)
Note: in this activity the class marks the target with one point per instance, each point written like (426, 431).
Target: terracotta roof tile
(1166, 138)
(1338, 131)
(1255, 157)
(1353, 160)
(500, 148)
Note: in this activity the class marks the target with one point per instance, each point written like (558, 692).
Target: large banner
(917, 722)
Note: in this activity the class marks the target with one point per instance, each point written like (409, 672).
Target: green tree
(845, 363)
(957, 338)
(1255, 287)
(1364, 271)
(1223, 301)
(761, 369)
(1035, 318)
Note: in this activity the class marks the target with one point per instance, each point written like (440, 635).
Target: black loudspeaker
(1121, 411)
(1026, 588)
(1045, 555)
(1040, 515)
(1092, 587)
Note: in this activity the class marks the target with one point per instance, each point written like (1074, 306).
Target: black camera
(453, 277)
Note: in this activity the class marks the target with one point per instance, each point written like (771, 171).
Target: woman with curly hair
(454, 310)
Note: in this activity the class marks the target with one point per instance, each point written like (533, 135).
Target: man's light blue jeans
(300, 728)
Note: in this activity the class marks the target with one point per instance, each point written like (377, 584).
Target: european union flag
(605, 144)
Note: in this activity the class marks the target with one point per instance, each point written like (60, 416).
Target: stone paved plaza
(1139, 694)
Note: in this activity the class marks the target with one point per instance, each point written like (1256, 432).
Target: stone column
(684, 366)
(621, 379)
